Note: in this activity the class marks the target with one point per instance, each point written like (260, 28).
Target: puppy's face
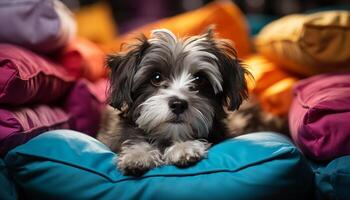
(176, 88)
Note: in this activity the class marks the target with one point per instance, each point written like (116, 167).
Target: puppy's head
(176, 88)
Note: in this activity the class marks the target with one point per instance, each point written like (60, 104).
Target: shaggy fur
(172, 98)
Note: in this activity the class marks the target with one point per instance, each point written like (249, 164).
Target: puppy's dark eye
(156, 79)
(199, 81)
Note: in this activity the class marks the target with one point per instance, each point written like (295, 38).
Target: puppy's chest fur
(116, 129)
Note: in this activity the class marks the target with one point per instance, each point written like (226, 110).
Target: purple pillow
(28, 78)
(17, 126)
(85, 104)
(40, 25)
(319, 117)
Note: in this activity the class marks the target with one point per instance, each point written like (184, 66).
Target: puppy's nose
(177, 105)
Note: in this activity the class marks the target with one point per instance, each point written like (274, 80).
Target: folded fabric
(308, 44)
(8, 189)
(83, 58)
(271, 85)
(333, 179)
(26, 77)
(85, 105)
(18, 125)
(253, 166)
(229, 21)
(40, 25)
(320, 114)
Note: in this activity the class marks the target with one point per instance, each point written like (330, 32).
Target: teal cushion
(333, 179)
(64, 164)
(7, 186)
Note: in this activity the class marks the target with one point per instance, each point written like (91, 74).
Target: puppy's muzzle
(177, 105)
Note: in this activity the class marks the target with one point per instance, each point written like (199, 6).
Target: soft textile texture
(8, 189)
(83, 58)
(19, 125)
(320, 114)
(85, 104)
(228, 19)
(26, 77)
(99, 14)
(40, 25)
(333, 179)
(254, 166)
(271, 85)
(308, 44)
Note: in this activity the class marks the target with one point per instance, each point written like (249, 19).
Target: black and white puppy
(172, 95)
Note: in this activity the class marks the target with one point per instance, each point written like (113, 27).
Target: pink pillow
(40, 25)
(17, 126)
(319, 117)
(85, 104)
(26, 77)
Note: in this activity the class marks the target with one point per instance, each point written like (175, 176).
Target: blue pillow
(7, 190)
(64, 164)
(333, 179)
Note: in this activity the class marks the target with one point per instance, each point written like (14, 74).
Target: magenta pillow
(85, 104)
(26, 77)
(319, 117)
(40, 25)
(17, 126)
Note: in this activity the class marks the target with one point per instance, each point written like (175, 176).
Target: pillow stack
(316, 49)
(307, 45)
(37, 93)
(296, 47)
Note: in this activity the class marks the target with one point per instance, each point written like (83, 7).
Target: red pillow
(83, 58)
(26, 77)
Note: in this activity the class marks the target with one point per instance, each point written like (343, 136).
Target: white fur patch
(182, 82)
(182, 153)
(139, 156)
(154, 110)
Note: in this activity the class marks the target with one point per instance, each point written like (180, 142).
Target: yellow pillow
(95, 23)
(308, 44)
(271, 85)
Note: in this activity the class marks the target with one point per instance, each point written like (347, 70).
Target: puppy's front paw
(138, 158)
(183, 154)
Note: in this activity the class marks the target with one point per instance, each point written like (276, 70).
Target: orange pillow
(271, 85)
(95, 22)
(228, 19)
(308, 44)
(83, 58)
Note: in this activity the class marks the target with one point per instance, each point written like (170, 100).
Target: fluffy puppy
(172, 97)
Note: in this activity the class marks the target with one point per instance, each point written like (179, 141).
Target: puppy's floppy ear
(123, 67)
(233, 73)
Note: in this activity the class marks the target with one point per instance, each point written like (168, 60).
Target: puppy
(173, 97)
